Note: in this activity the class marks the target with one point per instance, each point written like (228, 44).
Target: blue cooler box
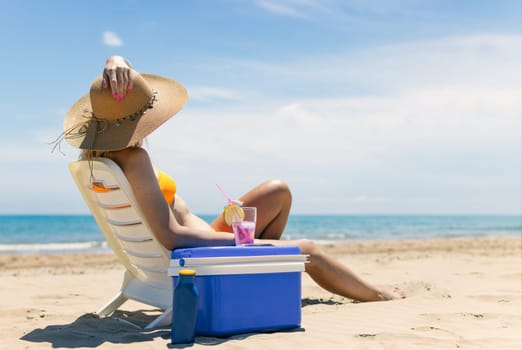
(244, 288)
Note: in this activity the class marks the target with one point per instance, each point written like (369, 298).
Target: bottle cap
(187, 272)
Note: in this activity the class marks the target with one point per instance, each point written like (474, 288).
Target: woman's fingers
(113, 81)
(131, 81)
(119, 79)
(117, 75)
(121, 84)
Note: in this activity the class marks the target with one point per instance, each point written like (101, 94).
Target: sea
(48, 234)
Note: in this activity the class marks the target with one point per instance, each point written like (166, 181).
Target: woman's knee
(315, 254)
(280, 189)
(308, 247)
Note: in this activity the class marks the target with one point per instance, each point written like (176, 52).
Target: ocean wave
(54, 248)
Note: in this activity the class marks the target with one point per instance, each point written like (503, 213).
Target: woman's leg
(333, 276)
(273, 201)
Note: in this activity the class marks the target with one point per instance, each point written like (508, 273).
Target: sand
(463, 293)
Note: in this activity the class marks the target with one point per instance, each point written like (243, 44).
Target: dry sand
(462, 294)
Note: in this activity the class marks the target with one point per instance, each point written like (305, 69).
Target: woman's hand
(118, 74)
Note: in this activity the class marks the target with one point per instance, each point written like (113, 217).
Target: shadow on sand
(123, 327)
(90, 331)
(311, 301)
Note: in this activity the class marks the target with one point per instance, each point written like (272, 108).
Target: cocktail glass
(244, 229)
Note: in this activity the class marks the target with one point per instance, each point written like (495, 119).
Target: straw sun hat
(98, 121)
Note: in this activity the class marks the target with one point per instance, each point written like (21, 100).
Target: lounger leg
(112, 305)
(164, 319)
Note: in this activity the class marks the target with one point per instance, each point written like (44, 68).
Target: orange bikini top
(167, 186)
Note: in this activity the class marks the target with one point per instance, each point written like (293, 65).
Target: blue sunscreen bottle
(185, 308)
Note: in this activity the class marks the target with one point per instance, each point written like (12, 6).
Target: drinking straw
(229, 200)
(224, 194)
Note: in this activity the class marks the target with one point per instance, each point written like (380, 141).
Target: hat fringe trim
(80, 129)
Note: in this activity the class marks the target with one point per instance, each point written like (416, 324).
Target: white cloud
(353, 130)
(288, 9)
(331, 10)
(111, 39)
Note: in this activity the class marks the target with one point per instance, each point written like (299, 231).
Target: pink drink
(244, 232)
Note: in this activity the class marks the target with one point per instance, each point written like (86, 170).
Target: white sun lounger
(119, 217)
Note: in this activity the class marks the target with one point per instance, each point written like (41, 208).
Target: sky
(362, 107)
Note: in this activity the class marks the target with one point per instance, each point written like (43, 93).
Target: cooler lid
(243, 250)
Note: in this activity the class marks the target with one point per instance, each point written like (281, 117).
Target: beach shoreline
(461, 293)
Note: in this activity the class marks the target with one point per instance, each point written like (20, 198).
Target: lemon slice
(233, 212)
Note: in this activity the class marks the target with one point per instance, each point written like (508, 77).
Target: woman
(122, 108)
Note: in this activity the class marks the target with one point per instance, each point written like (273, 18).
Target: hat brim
(170, 99)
